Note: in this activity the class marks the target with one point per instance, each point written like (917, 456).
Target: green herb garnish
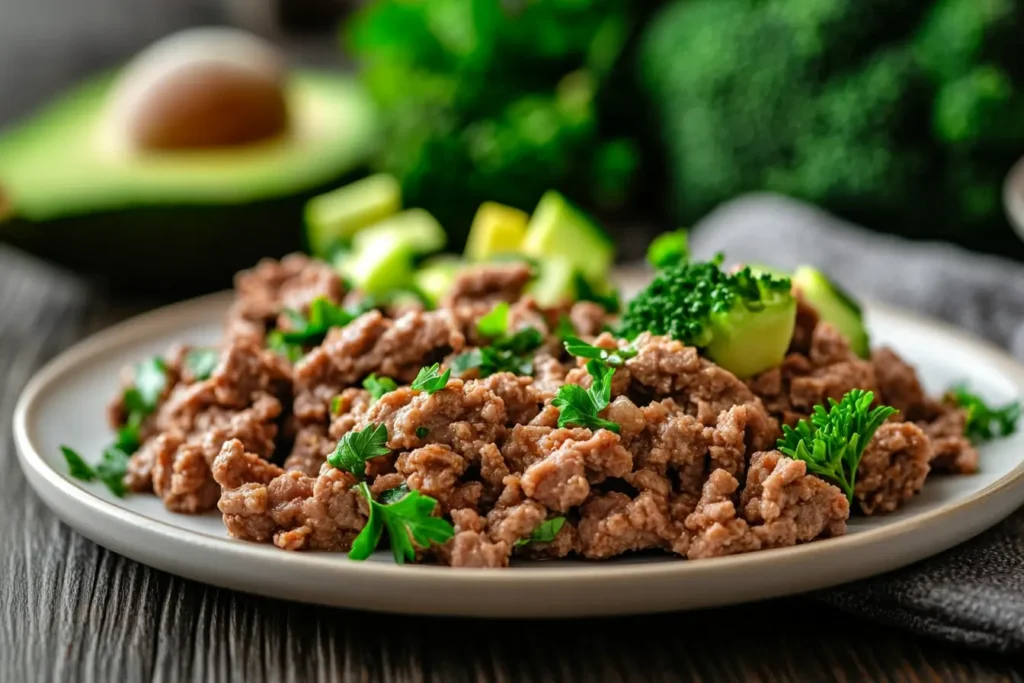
(564, 329)
(832, 441)
(495, 323)
(614, 357)
(378, 386)
(110, 470)
(394, 495)
(201, 362)
(422, 432)
(409, 520)
(984, 422)
(356, 447)
(506, 352)
(277, 344)
(545, 533)
(431, 380)
(579, 406)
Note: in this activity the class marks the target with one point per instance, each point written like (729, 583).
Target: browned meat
(588, 318)
(522, 403)
(465, 416)
(489, 284)
(310, 451)
(296, 511)
(264, 291)
(181, 477)
(372, 343)
(613, 523)
(714, 524)
(951, 451)
(351, 407)
(786, 506)
(673, 439)
(739, 432)
(471, 547)
(893, 468)
(806, 321)
(549, 374)
(435, 471)
(898, 385)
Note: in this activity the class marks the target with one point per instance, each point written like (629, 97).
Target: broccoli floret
(742, 321)
(904, 115)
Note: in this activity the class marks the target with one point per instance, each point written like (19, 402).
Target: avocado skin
(168, 252)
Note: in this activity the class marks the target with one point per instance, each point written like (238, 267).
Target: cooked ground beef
(691, 471)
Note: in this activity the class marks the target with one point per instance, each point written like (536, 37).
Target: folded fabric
(974, 593)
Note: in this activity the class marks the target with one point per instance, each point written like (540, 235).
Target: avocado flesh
(334, 217)
(382, 255)
(558, 229)
(555, 283)
(436, 277)
(497, 229)
(834, 306)
(747, 342)
(169, 224)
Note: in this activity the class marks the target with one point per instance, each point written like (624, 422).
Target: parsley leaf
(495, 323)
(201, 362)
(276, 343)
(579, 406)
(613, 357)
(394, 495)
(378, 386)
(336, 405)
(984, 422)
(431, 380)
(585, 291)
(489, 361)
(410, 524)
(356, 447)
(77, 466)
(832, 441)
(545, 533)
(150, 382)
(422, 432)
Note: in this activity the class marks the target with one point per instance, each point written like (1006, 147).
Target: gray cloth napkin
(974, 593)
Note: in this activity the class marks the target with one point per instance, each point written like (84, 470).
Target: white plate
(64, 404)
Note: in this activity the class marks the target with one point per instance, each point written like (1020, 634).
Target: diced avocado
(747, 342)
(378, 268)
(555, 283)
(834, 306)
(334, 217)
(414, 228)
(436, 276)
(760, 268)
(497, 229)
(558, 229)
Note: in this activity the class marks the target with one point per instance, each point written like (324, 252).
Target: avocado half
(179, 222)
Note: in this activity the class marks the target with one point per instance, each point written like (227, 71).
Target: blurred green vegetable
(904, 114)
(485, 100)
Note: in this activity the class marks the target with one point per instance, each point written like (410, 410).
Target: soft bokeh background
(904, 115)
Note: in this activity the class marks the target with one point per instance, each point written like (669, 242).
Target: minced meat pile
(693, 470)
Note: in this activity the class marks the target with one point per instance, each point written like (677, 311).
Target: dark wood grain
(72, 611)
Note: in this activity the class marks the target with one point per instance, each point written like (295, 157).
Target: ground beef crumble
(692, 470)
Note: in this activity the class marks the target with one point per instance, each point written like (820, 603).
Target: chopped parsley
(564, 328)
(336, 405)
(310, 330)
(545, 533)
(201, 362)
(110, 469)
(431, 380)
(580, 407)
(378, 386)
(277, 344)
(410, 524)
(394, 495)
(614, 357)
(356, 447)
(422, 432)
(984, 422)
(140, 400)
(832, 441)
(506, 352)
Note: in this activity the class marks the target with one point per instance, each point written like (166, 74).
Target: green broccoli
(743, 321)
(486, 100)
(905, 115)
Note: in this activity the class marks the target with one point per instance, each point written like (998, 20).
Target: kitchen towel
(974, 593)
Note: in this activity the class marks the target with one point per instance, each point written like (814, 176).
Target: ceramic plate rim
(437, 577)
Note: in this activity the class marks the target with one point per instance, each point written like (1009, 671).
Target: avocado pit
(201, 88)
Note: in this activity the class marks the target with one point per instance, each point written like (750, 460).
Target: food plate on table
(505, 439)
